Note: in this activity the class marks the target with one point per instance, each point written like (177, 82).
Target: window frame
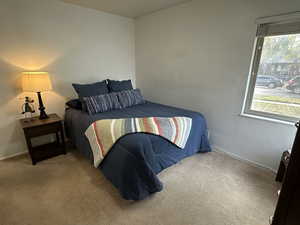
(249, 92)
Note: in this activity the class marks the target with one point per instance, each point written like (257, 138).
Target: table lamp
(37, 82)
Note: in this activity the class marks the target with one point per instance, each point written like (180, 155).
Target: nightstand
(34, 127)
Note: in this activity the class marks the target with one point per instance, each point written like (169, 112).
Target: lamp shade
(36, 81)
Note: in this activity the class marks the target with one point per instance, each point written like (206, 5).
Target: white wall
(197, 55)
(73, 44)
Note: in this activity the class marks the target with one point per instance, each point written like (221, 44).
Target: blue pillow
(117, 86)
(75, 104)
(87, 90)
(130, 98)
(101, 103)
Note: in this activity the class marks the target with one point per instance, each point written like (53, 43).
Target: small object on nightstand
(36, 128)
(28, 108)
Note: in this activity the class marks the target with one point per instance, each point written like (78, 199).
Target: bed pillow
(130, 98)
(87, 90)
(101, 103)
(75, 104)
(117, 86)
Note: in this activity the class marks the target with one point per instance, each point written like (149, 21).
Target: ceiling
(127, 8)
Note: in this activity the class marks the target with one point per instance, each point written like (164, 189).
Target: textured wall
(72, 43)
(197, 55)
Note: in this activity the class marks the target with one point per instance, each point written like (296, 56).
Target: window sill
(267, 119)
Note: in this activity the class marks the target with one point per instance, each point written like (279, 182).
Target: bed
(135, 160)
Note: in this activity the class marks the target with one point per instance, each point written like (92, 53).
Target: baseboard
(216, 149)
(13, 155)
(221, 150)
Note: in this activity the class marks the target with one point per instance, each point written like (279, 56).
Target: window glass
(276, 84)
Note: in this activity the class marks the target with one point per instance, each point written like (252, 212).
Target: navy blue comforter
(134, 161)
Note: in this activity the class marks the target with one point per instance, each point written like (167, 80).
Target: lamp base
(43, 114)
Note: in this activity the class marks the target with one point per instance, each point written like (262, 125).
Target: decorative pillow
(117, 86)
(87, 90)
(75, 104)
(130, 98)
(102, 103)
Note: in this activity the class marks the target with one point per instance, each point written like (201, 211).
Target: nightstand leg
(29, 145)
(63, 139)
(57, 138)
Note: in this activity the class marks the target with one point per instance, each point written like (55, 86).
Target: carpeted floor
(205, 189)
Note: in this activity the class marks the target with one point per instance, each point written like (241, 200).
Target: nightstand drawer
(43, 130)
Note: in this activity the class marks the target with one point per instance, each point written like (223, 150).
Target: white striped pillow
(130, 98)
(102, 103)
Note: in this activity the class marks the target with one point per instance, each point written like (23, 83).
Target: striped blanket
(102, 134)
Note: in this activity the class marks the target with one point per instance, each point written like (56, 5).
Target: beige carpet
(205, 189)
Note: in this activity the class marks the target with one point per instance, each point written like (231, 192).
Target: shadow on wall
(11, 67)
(12, 64)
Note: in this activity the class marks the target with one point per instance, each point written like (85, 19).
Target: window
(274, 81)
